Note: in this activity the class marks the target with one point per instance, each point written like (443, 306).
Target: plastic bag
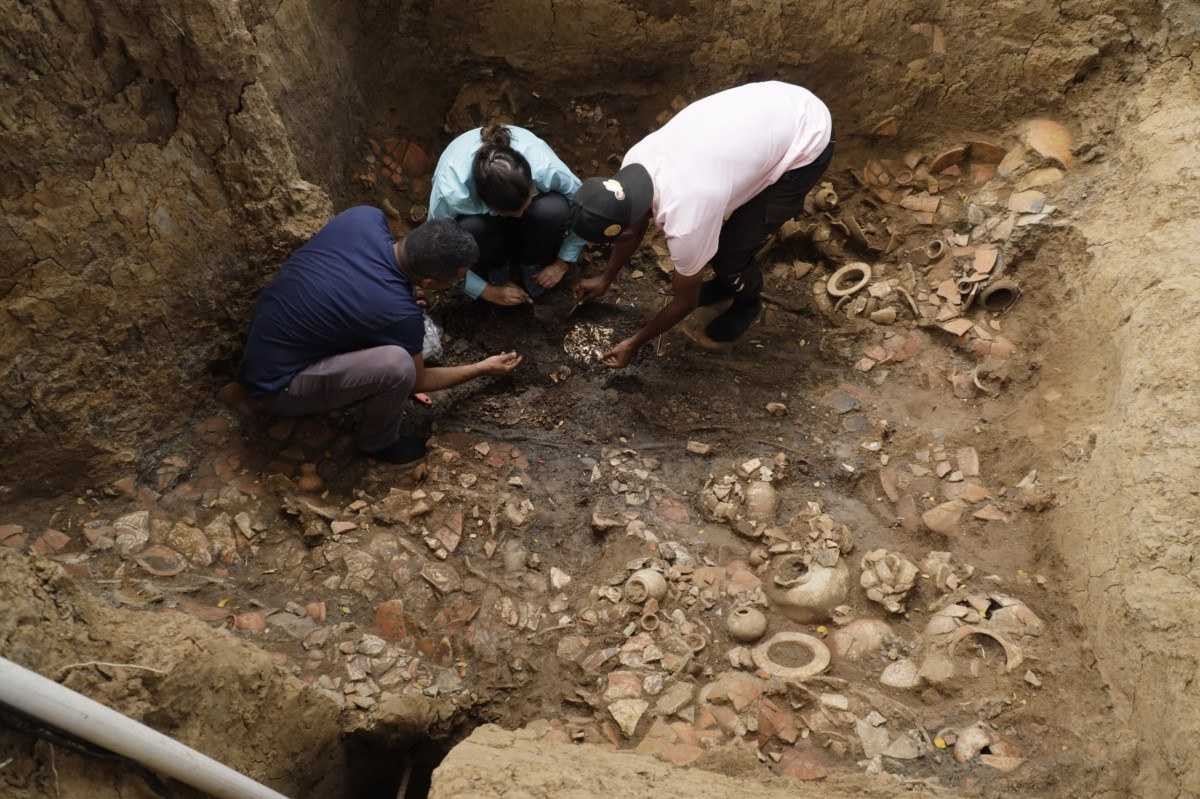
(431, 347)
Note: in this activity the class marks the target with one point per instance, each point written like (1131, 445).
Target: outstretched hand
(501, 364)
(621, 355)
(591, 288)
(508, 294)
(549, 277)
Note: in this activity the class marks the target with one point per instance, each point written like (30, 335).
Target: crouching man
(342, 323)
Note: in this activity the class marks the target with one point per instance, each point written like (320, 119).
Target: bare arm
(686, 295)
(622, 250)
(438, 378)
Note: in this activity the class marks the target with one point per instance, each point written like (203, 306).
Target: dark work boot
(405, 451)
(713, 291)
(730, 325)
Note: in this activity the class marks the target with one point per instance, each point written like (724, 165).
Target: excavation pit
(162, 164)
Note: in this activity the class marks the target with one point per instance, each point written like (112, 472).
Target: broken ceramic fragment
(887, 578)
(746, 624)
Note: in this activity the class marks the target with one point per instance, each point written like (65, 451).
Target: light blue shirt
(454, 195)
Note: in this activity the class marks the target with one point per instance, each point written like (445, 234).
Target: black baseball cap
(603, 207)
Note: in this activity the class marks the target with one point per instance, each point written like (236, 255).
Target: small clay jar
(645, 584)
(310, 482)
(746, 624)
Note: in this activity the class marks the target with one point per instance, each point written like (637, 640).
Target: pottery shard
(921, 202)
(985, 259)
(222, 541)
(985, 151)
(968, 461)
(1050, 139)
(389, 620)
(947, 158)
(627, 713)
(1038, 178)
(1027, 202)
(161, 561)
(623, 685)
(699, 448)
(944, 518)
(990, 513)
(50, 542)
(958, 327)
(874, 739)
(675, 698)
(189, 542)
(902, 674)
(571, 648)
(132, 532)
(801, 767)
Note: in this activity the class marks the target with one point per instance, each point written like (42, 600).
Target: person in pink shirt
(718, 179)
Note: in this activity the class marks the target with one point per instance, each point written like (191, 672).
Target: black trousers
(749, 227)
(528, 242)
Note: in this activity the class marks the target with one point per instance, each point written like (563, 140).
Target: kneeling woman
(508, 189)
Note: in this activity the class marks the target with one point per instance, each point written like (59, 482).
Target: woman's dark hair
(502, 176)
(439, 249)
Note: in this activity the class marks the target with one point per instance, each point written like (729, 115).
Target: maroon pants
(380, 378)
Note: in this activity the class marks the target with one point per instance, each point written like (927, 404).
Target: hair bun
(497, 136)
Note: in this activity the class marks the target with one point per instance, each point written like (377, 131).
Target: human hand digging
(621, 355)
(592, 288)
(500, 365)
(549, 277)
(507, 295)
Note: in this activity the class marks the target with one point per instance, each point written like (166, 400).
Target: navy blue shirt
(341, 292)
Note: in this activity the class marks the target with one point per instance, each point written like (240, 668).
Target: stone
(244, 524)
(297, 627)
(627, 713)
(370, 645)
(903, 674)
(50, 542)
(944, 518)
(699, 448)
(777, 409)
(559, 579)
(1033, 679)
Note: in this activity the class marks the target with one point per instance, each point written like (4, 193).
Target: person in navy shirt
(342, 324)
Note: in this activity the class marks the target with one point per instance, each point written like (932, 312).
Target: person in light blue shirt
(508, 189)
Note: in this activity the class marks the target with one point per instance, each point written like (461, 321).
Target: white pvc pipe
(60, 707)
